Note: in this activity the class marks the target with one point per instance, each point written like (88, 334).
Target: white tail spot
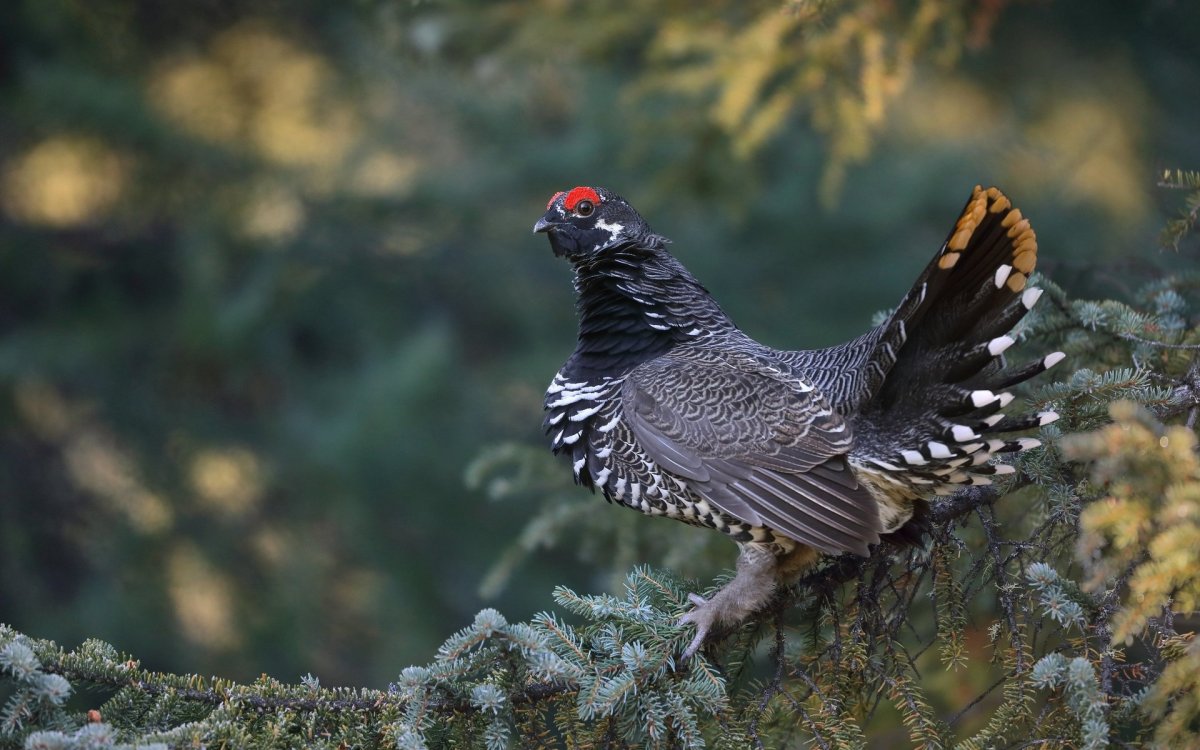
(1046, 417)
(1053, 359)
(982, 398)
(1002, 274)
(962, 433)
(939, 450)
(1030, 297)
(998, 345)
(913, 458)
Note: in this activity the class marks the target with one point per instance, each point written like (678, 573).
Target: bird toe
(703, 616)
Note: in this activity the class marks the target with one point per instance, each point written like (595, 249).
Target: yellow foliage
(254, 85)
(229, 480)
(1150, 519)
(1148, 524)
(202, 597)
(95, 460)
(846, 63)
(746, 64)
(1174, 703)
(1100, 172)
(858, 68)
(63, 181)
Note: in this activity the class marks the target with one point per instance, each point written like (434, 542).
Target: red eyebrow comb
(581, 194)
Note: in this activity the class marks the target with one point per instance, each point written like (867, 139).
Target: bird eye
(585, 208)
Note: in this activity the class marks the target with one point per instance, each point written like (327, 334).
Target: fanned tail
(934, 422)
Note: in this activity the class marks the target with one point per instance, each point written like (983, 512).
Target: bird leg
(760, 571)
(749, 591)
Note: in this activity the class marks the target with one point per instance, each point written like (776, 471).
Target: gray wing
(755, 442)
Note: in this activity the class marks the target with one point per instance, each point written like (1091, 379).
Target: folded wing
(757, 443)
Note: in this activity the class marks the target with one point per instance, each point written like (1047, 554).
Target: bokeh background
(274, 330)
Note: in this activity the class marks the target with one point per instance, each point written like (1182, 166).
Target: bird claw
(694, 646)
(702, 616)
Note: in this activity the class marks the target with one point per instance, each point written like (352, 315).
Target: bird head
(584, 222)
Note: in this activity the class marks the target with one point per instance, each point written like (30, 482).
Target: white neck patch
(612, 229)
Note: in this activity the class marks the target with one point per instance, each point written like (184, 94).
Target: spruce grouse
(667, 407)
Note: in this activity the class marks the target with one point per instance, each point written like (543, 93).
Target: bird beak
(542, 225)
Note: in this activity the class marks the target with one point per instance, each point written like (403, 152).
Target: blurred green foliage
(267, 286)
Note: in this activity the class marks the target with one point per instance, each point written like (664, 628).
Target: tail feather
(937, 411)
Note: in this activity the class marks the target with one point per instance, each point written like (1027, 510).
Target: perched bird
(669, 408)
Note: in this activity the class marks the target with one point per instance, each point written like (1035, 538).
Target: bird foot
(749, 591)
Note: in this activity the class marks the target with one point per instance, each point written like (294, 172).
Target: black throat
(636, 303)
